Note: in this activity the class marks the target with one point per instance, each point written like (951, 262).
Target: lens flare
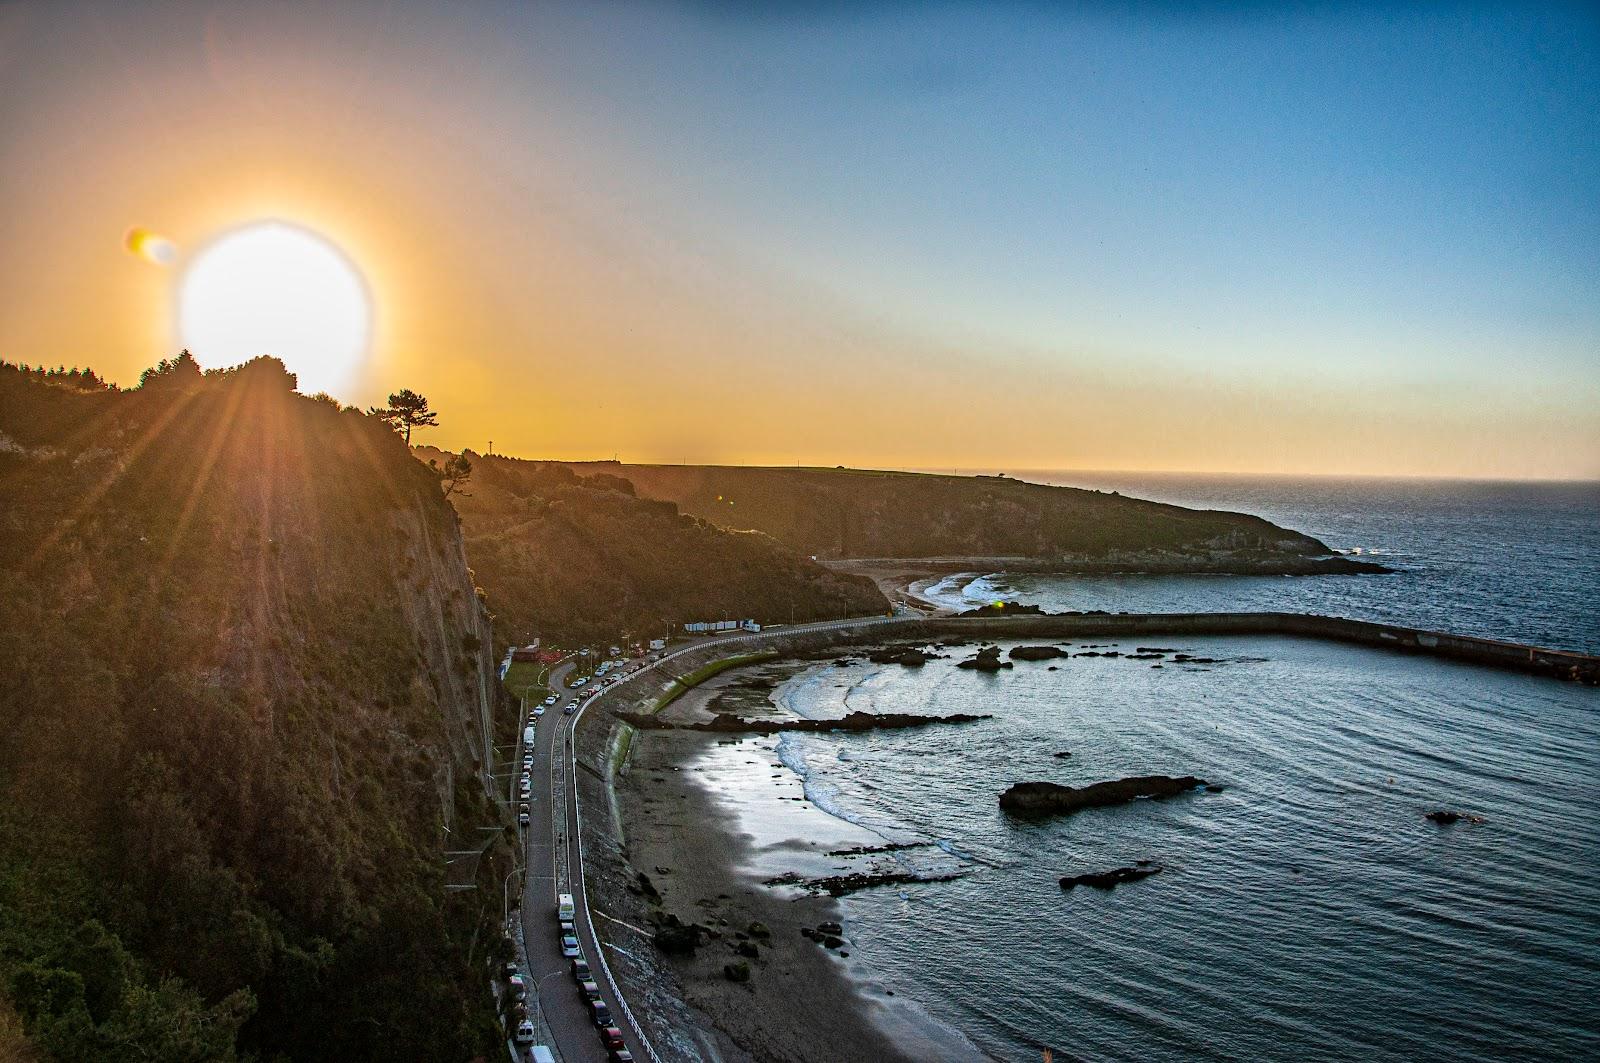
(150, 246)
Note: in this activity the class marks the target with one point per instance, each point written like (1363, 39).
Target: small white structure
(710, 627)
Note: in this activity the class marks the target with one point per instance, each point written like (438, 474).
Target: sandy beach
(904, 582)
(711, 819)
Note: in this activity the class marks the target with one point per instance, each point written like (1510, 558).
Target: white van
(540, 1054)
(566, 911)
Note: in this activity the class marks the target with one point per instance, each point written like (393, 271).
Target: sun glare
(275, 288)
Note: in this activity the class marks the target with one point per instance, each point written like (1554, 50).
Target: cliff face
(247, 712)
(839, 513)
(565, 556)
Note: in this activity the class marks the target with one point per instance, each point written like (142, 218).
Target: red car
(612, 1037)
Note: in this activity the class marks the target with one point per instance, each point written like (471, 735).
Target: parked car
(612, 1037)
(621, 1055)
(570, 709)
(601, 1013)
(523, 819)
(538, 712)
(525, 1032)
(519, 989)
(569, 945)
(567, 928)
(580, 971)
(589, 991)
(526, 791)
(551, 700)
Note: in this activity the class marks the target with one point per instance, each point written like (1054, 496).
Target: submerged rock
(1105, 880)
(1048, 797)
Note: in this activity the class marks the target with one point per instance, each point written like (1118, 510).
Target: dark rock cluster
(1048, 797)
(1105, 880)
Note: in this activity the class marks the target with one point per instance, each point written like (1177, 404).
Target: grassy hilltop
(247, 685)
(581, 556)
(849, 513)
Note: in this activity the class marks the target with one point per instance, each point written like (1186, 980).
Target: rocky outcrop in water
(1049, 797)
(854, 721)
(987, 660)
(1105, 880)
(910, 656)
(1036, 653)
(1005, 609)
(839, 885)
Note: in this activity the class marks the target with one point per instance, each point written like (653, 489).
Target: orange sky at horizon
(545, 296)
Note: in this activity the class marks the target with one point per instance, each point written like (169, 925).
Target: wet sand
(721, 815)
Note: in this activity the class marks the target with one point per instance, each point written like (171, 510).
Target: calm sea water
(1308, 911)
(1517, 561)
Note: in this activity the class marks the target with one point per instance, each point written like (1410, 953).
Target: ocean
(1308, 910)
(1516, 561)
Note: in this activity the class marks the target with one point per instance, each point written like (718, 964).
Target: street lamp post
(505, 897)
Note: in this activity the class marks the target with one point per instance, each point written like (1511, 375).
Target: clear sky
(1354, 238)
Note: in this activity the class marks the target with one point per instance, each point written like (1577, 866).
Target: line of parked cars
(589, 990)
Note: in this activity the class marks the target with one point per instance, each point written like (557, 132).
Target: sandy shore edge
(677, 809)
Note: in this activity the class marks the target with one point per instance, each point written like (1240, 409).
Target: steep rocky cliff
(247, 712)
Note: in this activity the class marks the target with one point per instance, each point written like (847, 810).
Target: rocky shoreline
(738, 966)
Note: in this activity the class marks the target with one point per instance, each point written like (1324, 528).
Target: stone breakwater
(1493, 653)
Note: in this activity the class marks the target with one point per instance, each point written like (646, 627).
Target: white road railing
(574, 846)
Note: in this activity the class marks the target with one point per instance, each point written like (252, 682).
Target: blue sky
(1371, 183)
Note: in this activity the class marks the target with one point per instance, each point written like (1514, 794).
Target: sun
(276, 288)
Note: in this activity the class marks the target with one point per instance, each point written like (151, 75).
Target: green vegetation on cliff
(849, 513)
(572, 557)
(242, 706)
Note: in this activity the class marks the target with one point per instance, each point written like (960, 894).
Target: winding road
(554, 860)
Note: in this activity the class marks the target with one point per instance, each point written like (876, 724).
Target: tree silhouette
(406, 410)
(180, 373)
(454, 474)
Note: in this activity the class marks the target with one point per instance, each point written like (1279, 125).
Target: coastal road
(555, 854)
(566, 1015)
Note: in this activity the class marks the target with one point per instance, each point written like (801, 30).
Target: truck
(566, 911)
(528, 736)
(658, 644)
